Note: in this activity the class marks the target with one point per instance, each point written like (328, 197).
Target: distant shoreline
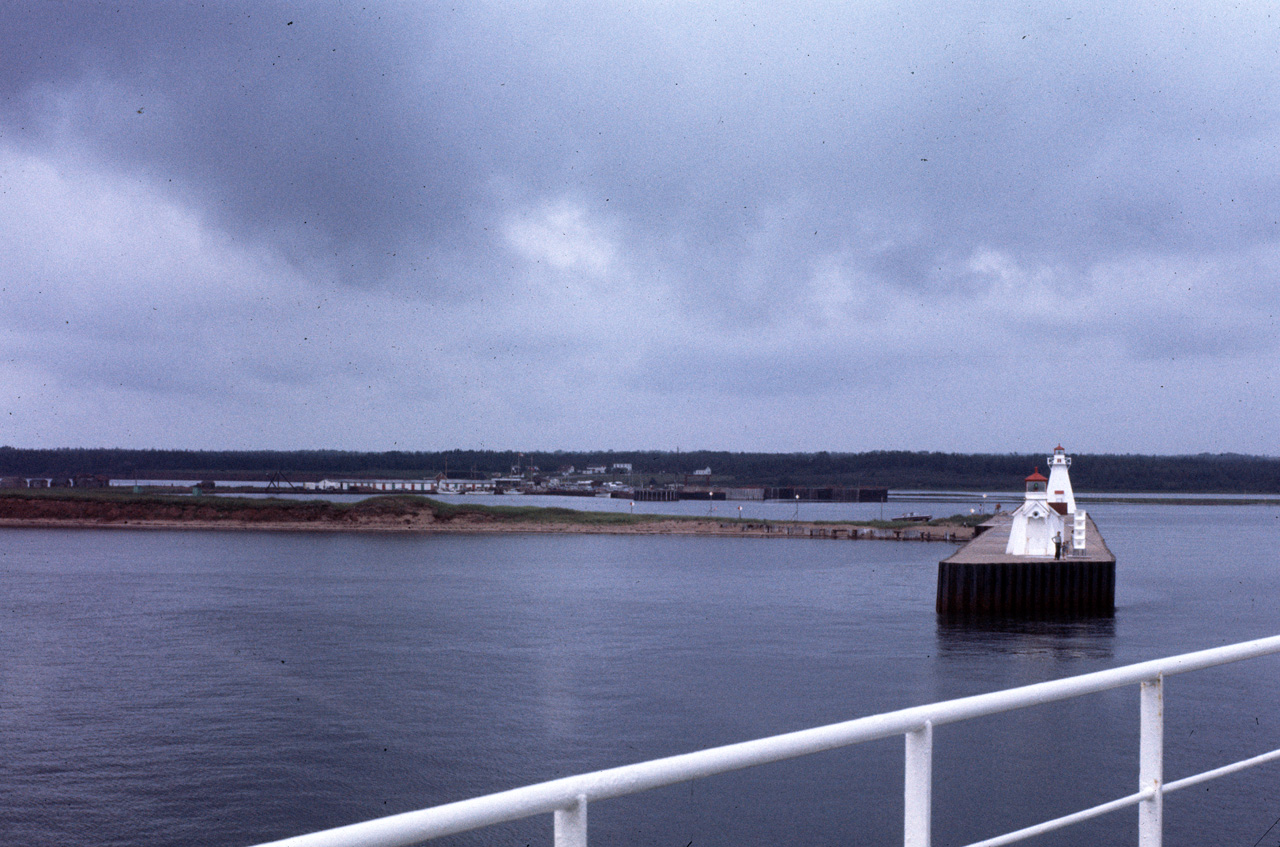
(406, 514)
(954, 533)
(896, 470)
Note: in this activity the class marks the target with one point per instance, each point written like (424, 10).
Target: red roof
(1036, 477)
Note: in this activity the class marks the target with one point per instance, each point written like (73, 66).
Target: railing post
(571, 824)
(1151, 763)
(918, 800)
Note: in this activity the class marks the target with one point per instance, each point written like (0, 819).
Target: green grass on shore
(407, 504)
(391, 504)
(542, 514)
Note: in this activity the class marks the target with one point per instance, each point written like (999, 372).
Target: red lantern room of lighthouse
(1037, 484)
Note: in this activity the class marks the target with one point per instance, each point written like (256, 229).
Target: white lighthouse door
(1038, 541)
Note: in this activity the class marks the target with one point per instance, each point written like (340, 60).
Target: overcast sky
(844, 226)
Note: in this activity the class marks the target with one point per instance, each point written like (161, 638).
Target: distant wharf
(982, 578)
(952, 533)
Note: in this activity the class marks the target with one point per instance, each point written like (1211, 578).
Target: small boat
(912, 517)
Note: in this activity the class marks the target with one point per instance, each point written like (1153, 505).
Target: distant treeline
(1223, 473)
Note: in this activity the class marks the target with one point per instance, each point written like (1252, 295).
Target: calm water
(227, 688)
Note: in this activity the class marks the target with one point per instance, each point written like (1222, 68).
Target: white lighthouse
(1044, 556)
(1038, 527)
(1060, 496)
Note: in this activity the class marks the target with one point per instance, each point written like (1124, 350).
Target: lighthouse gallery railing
(567, 798)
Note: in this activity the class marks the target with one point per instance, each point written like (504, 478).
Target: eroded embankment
(405, 514)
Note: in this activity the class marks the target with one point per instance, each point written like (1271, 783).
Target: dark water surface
(168, 688)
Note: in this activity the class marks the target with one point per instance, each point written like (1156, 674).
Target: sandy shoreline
(413, 515)
(462, 526)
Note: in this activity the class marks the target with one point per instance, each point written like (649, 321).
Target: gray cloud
(501, 220)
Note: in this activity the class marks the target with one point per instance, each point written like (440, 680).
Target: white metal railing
(567, 798)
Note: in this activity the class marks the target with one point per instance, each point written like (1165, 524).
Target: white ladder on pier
(1078, 533)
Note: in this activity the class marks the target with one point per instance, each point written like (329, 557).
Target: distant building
(595, 469)
(621, 467)
(439, 485)
(703, 472)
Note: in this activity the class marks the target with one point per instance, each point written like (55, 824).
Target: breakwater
(981, 578)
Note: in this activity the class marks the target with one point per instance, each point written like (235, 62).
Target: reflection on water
(1076, 638)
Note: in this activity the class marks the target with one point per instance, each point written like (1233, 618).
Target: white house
(1036, 523)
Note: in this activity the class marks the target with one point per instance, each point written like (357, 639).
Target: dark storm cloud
(523, 212)
(372, 131)
(316, 127)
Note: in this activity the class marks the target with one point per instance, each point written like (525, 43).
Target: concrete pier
(981, 578)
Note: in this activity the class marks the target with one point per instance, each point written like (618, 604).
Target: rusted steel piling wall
(1052, 587)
